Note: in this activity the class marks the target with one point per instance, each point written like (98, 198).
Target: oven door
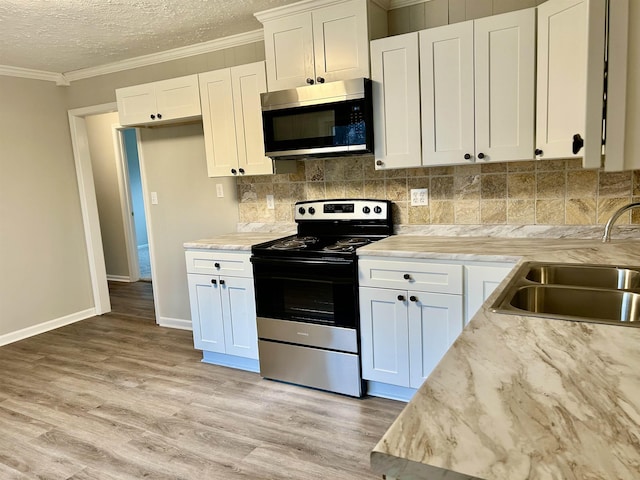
(312, 291)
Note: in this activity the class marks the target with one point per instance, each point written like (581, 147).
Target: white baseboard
(177, 323)
(118, 278)
(46, 326)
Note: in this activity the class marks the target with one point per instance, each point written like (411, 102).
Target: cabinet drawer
(214, 262)
(411, 275)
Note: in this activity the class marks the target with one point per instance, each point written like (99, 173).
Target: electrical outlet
(419, 197)
(154, 198)
(270, 203)
(219, 190)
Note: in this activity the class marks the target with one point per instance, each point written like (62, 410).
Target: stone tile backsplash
(546, 192)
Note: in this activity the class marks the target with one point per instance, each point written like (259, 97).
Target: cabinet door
(435, 321)
(384, 336)
(504, 47)
(481, 281)
(288, 44)
(396, 110)
(206, 313)
(239, 313)
(218, 122)
(178, 98)
(446, 84)
(570, 78)
(248, 82)
(341, 41)
(136, 104)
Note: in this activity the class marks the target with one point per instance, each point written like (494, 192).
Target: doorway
(87, 189)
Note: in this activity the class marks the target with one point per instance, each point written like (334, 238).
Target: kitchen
(561, 189)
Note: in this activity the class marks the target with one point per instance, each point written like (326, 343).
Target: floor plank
(118, 397)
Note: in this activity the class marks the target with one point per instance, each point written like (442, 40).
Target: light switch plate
(419, 197)
(154, 198)
(270, 203)
(219, 190)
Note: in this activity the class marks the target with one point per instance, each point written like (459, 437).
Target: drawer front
(411, 275)
(215, 262)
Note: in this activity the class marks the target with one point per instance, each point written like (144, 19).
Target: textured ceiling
(65, 35)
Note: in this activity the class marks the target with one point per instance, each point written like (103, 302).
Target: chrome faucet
(606, 237)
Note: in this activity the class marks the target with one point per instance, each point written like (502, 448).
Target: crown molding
(294, 8)
(404, 3)
(20, 72)
(173, 54)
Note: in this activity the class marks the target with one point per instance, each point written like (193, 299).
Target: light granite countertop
(521, 397)
(236, 241)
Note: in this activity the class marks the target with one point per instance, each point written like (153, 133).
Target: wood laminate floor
(116, 397)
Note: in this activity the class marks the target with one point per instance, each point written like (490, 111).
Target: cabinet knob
(221, 282)
(241, 170)
(413, 298)
(577, 143)
(467, 156)
(310, 81)
(379, 163)
(406, 276)
(320, 80)
(481, 155)
(159, 116)
(217, 265)
(538, 152)
(234, 171)
(214, 281)
(153, 117)
(401, 298)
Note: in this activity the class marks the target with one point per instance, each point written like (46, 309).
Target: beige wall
(43, 260)
(105, 176)
(175, 166)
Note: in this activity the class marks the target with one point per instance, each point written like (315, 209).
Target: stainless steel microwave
(326, 119)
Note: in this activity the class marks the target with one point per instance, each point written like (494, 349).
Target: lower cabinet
(223, 309)
(405, 333)
(411, 312)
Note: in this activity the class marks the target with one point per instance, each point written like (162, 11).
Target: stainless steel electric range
(307, 294)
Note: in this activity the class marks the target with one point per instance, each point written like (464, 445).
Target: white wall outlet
(219, 190)
(419, 197)
(154, 198)
(270, 203)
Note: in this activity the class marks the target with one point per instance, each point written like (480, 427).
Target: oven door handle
(297, 262)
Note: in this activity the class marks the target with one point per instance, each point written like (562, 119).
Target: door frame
(126, 202)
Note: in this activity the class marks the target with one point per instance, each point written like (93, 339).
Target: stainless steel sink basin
(579, 303)
(595, 276)
(589, 293)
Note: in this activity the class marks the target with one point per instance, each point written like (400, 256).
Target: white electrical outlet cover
(270, 202)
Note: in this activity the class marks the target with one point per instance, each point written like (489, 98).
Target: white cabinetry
(176, 99)
(232, 120)
(222, 302)
(480, 282)
(305, 44)
(487, 112)
(410, 314)
(570, 79)
(396, 93)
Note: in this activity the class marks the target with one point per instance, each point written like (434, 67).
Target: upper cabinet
(232, 120)
(167, 101)
(307, 44)
(570, 80)
(478, 87)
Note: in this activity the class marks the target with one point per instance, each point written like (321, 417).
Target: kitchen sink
(590, 293)
(595, 276)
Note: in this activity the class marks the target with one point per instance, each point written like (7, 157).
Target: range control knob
(377, 209)
(312, 210)
(302, 211)
(366, 210)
